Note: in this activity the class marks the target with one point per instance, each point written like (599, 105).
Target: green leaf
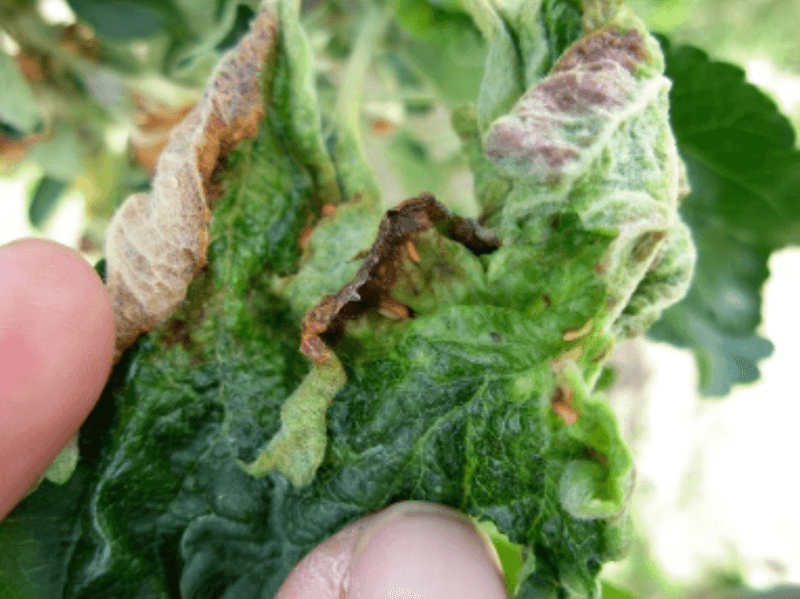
(203, 30)
(18, 108)
(444, 46)
(126, 19)
(612, 592)
(61, 155)
(38, 535)
(743, 169)
(63, 466)
(44, 199)
(739, 149)
(524, 41)
(562, 24)
(185, 36)
(720, 314)
(512, 556)
(503, 78)
(561, 148)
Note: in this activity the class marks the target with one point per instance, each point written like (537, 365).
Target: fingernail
(419, 550)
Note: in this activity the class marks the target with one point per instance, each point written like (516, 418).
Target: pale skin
(56, 348)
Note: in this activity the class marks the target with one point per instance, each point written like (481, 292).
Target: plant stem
(348, 106)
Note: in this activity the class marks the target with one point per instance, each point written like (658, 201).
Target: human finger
(410, 550)
(56, 349)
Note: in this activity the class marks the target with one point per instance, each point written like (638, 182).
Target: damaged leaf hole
(324, 325)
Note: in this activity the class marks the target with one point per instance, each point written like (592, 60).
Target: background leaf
(44, 199)
(61, 155)
(185, 38)
(18, 109)
(442, 43)
(743, 169)
(126, 19)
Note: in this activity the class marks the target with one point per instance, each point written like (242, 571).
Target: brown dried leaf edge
(157, 241)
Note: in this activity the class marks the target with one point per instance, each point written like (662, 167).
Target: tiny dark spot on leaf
(646, 244)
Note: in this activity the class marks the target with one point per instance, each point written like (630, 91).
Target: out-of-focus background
(717, 500)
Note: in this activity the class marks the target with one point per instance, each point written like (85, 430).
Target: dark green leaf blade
(44, 199)
(125, 19)
(455, 405)
(173, 513)
(720, 314)
(739, 149)
(743, 169)
(38, 536)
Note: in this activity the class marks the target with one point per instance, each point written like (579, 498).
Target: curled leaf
(155, 122)
(230, 454)
(379, 271)
(561, 119)
(157, 241)
(298, 448)
(594, 137)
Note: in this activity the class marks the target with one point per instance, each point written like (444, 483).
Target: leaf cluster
(90, 97)
(245, 428)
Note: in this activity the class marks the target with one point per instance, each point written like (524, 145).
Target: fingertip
(56, 344)
(420, 549)
(410, 550)
(319, 574)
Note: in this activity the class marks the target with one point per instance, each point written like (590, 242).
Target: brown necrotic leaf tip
(157, 241)
(377, 275)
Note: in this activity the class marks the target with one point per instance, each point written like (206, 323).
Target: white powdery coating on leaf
(595, 136)
(595, 80)
(157, 241)
(558, 119)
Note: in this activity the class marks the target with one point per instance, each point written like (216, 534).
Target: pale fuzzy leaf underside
(594, 137)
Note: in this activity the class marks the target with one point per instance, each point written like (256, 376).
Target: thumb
(411, 550)
(56, 344)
